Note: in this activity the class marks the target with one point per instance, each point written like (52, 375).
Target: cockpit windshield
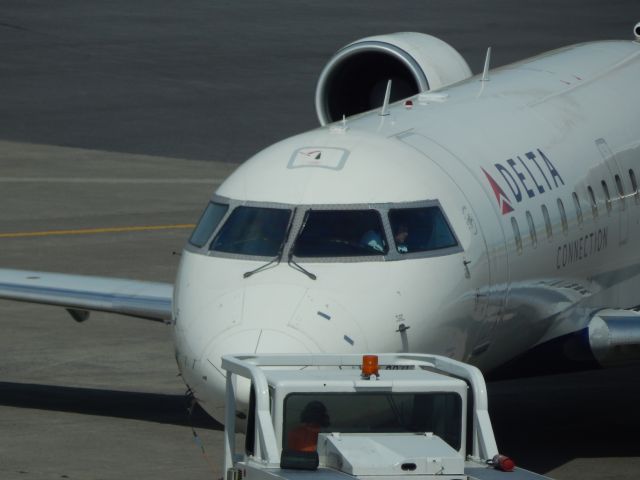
(208, 222)
(341, 233)
(325, 233)
(420, 229)
(256, 231)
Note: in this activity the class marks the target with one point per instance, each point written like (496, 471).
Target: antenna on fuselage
(385, 104)
(487, 61)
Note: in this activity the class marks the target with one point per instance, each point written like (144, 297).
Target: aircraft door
(485, 256)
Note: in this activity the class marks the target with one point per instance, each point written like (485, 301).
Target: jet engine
(355, 79)
(614, 337)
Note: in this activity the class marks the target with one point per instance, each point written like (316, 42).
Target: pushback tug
(339, 417)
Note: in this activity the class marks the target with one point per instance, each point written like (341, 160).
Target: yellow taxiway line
(90, 231)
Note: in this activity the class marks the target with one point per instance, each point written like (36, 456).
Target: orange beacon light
(369, 366)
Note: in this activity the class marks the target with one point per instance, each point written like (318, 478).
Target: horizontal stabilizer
(80, 293)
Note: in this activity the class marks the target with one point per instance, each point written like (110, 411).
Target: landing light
(369, 366)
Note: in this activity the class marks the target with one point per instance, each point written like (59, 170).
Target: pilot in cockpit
(375, 241)
(400, 235)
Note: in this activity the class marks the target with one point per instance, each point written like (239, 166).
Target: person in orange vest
(304, 437)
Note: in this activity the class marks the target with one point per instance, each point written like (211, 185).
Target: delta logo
(530, 174)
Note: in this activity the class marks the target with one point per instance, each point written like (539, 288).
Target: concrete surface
(98, 400)
(107, 113)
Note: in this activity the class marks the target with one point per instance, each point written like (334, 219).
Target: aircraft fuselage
(527, 182)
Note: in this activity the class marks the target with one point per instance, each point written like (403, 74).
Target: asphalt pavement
(118, 116)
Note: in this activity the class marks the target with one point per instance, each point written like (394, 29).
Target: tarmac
(117, 122)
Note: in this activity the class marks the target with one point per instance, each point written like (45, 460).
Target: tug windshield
(254, 231)
(341, 233)
(436, 412)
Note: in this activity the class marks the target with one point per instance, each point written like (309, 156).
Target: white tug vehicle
(339, 417)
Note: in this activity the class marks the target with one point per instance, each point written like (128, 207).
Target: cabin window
(576, 204)
(255, 231)
(207, 224)
(420, 230)
(607, 197)
(620, 188)
(563, 217)
(594, 203)
(634, 185)
(547, 221)
(307, 414)
(341, 233)
(516, 234)
(532, 229)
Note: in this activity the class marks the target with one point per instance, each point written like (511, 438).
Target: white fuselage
(488, 154)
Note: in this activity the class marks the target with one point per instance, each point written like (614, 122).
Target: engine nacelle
(614, 337)
(355, 78)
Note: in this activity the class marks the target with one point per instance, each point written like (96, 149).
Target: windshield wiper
(300, 268)
(278, 258)
(260, 268)
(291, 262)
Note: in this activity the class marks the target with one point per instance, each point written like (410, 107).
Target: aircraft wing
(80, 294)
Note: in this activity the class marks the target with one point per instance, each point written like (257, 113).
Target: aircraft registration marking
(89, 231)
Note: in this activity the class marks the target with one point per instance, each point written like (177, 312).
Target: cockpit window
(420, 229)
(341, 233)
(253, 231)
(208, 222)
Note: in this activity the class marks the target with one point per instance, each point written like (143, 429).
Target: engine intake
(355, 78)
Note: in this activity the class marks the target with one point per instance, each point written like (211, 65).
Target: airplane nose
(266, 318)
(246, 341)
